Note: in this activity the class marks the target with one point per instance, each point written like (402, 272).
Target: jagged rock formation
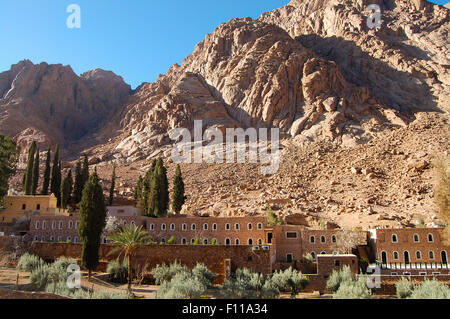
(51, 104)
(250, 74)
(404, 63)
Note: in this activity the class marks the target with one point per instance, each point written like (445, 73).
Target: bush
(290, 280)
(354, 289)
(183, 285)
(171, 240)
(214, 241)
(404, 288)
(43, 275)
(204, 275)
(162, 273)
(117, 271)
(196, 241)
(431, 289)
(64, 263)
(247, 285)
(29, 262)
(338, 277)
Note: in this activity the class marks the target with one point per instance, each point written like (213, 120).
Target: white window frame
(250, 226)
(396, 238)
(184, 227)
(250, 241)
(398, 255)
(237, 226)
(419, 256)
(60, 224)
(172, 226)
(151, 227)
(312, 239)
(205, 226)
(214, 226)
(44, 224)
(418, 238)
(227, 240)
(227, 226)
(163, 226)
(260, 226)
(432, 238)
(237, 242)
(324, 241)
(431, 255)
(194, 226)
(37, 224)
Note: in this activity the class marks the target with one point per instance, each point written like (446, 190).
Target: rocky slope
(51, 104)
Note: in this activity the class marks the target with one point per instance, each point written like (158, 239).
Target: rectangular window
(289, 258)
(291, 235)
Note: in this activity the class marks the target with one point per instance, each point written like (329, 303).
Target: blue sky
(137, 39)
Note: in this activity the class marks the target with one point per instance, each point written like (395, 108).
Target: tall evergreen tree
(78, 187)
(35, 174)
(85, 170)
(178, 197)
(9, 153)
(138, 191)
(66, 190)
(159, 191)
(55, 186)
(46, 182)
(146, 190)
(165, 196)
(92, 222)
(28, 179)
(113, 185)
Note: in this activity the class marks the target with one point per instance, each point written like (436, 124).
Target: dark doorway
(269, 238)
(383, 257)
(407, 259)
(444, 257)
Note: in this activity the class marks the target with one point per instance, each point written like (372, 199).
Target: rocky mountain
(52, 105)
(363, 112)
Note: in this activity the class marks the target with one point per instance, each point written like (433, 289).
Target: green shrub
(64, 262)
(29, 262)
(46, 274)
(162, 273)
(337, 277)
(214, 241)
(117, 271)
(196, 241)
(431, 289)
(245, 284)
(404, 288)
(290, 280)
(204, 275)
(171, 240)
(183, 285)
(353, 289)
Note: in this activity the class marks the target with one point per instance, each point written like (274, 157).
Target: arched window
(227, 241)
(205, 241)
(394, 238)
(227, 226)
(323, 253)
(260, 226)
(418, 255)
(184, 227)
(312, 240)
(396, 256)
(205, 226)
(60, 224)
(37, 224)
(214, 226)
(70, 224)
(163, 240)
(59, 238)
(183, 241)
(323, 239)
(444, 257)
(260, 241)
(76, 225)
(76, 240)
(133, 223)
(384, 257)
(236, 226)
(407, 257)
(44, 224)
(192, 240)
(193, 227)
(69, 239)
(416, 238)
(250, 226)
(431, 254)
(152, 227)
(163, 226)
(172, 226)
(52, 238)
(250, 241)
(237, 241)
(333, 239)
(43, 239)
(313, 254)
(54, 224)
(430, 238)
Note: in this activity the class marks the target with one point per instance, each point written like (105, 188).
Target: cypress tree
(159, 191)
(165, 196)
(28, 179)
(146, 190)
(35, 174)
(46, 182)
(178, 197)
(92, 222)
(85, 170)
(113, 185)
(55, 186)
(78, 187)
(66, 190)
(138, 190)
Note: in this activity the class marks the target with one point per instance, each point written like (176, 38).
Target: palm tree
(130, 238)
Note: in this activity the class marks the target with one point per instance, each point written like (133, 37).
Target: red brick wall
(212, 256)
(405, 238)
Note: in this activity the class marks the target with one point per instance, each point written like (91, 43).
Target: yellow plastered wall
(18, 206)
